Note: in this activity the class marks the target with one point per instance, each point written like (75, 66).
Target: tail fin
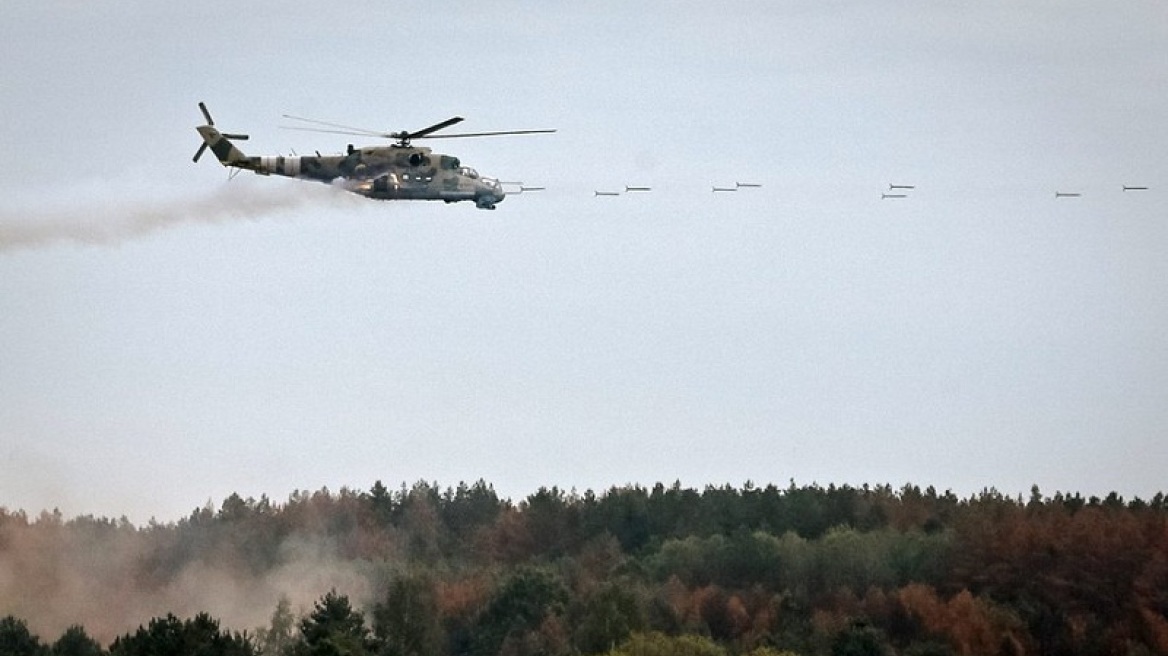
(220, 143)
(227, 152)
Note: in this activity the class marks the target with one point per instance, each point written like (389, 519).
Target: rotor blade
(480, 134)
(199, 152)
(433, 128)
(206, 114)
(350, 132)
(360, 131)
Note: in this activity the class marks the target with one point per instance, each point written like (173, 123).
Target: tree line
(720, 571)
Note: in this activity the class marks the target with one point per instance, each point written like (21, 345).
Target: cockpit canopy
(448, 163)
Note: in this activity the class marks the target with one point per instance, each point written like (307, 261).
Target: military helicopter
(399, 171)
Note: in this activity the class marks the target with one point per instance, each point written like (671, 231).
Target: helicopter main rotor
(403, 137)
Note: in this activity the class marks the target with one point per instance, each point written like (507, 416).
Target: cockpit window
(449, 163)
(470, 173)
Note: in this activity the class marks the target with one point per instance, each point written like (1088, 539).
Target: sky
(169, 337)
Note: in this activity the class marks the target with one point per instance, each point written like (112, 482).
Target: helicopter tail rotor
(206, 114)
(212, 132)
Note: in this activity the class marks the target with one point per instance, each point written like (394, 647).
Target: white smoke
(112, 580)
(101, 221)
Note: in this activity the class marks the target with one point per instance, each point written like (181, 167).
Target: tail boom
(226, 152)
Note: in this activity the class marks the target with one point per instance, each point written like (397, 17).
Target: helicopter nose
(487, 195)
(493, 191)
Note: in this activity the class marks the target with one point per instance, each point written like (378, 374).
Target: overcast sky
(168, 337)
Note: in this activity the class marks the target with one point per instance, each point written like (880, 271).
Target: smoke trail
(114, 222)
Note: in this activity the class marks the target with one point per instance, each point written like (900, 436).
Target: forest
(424, 570)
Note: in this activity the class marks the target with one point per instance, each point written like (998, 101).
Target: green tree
(606, 618)
(15, 639)
(624, 513)
(381, 500)
(552, 521)
(168, 636)
(76, 642)
(407, 622)
(855, 560)
(859, 640)
(659, 644)
(333, 628)
(420, 521)
(520, 606)
(277, 639)
(673, 512)
(467, 509)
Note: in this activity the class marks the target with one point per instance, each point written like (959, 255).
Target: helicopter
(399, 171)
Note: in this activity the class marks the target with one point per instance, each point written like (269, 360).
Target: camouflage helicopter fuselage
(395, 172)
